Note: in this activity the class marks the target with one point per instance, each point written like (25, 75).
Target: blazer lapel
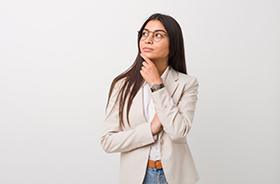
(171, 82)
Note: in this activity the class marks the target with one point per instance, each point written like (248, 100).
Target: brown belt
(154, 164)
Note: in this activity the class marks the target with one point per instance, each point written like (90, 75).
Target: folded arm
(176, 119)
(115, 139)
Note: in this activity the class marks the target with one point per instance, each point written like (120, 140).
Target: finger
(141, 72)
(143, 69)
(145, 58)
(145, 64)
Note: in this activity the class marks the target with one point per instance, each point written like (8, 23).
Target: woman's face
(154, 42)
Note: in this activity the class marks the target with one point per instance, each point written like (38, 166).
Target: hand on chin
(148, 55)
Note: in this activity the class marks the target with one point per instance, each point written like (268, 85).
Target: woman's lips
(145, 49)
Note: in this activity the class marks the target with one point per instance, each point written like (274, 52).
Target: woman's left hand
(149, 71)
(156, 125)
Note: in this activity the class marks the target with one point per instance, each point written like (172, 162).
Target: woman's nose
(149, 39)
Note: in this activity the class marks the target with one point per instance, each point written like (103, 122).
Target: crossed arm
(175, 119)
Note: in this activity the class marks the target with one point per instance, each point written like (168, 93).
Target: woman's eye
(158, 35)
(144, 34)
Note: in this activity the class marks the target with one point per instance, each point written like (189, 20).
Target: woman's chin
(149, 55)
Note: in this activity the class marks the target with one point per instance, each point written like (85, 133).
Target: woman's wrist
(156, 87)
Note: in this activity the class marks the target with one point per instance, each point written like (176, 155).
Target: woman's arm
(176, 120)
(114, 139)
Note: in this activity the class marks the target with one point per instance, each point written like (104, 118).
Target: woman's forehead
(154, 25)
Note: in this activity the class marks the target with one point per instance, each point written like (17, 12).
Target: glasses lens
(144, 34)
(157, 36)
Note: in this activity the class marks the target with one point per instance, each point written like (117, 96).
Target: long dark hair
(133, 80)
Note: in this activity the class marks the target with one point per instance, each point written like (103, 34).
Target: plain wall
(58, 58)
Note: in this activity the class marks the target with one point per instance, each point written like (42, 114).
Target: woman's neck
(161, 65)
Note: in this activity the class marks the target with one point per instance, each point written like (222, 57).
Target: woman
(150, 109)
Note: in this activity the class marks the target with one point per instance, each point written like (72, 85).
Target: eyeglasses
(157, 35)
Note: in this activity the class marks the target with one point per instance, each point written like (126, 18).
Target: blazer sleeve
(114, 139)
(177, 119)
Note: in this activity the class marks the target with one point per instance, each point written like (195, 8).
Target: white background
(57, 60)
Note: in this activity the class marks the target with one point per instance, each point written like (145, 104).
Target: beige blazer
(175, 105)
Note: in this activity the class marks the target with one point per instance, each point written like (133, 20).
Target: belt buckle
(157, 164)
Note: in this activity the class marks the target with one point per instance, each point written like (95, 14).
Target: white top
(149, 112)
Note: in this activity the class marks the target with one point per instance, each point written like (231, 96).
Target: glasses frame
(153, 34)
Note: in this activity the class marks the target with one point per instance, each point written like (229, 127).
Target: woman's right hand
(156, 125)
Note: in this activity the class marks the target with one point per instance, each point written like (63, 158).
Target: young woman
(150, 109)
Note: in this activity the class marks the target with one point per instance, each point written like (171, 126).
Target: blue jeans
(154, 176)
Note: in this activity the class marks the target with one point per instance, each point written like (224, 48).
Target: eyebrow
(156, 30)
